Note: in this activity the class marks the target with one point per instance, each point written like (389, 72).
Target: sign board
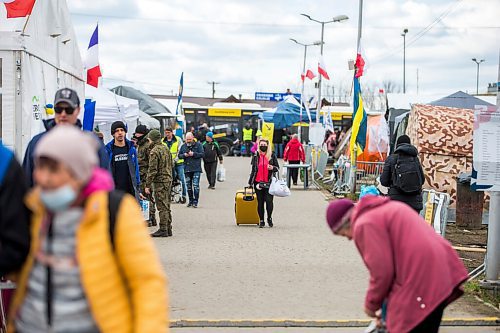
(486, 151)
(316, 134)
(276, 97)
(268, 131)
(215, 112)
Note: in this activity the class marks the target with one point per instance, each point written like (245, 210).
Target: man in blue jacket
(67, 109)
(192, 153)
(124, 164)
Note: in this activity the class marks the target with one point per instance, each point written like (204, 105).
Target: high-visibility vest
(247, 134)
(174, 149)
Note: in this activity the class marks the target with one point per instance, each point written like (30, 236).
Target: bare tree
(391, 87)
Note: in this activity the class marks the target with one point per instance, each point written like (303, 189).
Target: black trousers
(432, 322)
(211, 172)
(294, 173)
(263, 197)
(248, 148)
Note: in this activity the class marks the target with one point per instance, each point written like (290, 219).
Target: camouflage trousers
(161, 192)
(152, 209)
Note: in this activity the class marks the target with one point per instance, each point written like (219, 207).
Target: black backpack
(406, 175)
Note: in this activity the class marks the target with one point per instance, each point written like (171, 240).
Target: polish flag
(309, 74)
(18, 8)
(92, 61)
(322, 69)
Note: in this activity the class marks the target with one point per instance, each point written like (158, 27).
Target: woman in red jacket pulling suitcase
(264, 165)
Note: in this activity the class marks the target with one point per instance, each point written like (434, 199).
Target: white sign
(486, 156)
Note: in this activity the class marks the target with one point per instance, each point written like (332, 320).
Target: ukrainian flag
(359, 123)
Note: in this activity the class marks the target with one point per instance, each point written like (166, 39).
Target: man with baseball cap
(67, 110)
(124, 165)
(412, 268)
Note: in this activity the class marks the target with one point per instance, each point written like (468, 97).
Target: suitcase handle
(246, 196)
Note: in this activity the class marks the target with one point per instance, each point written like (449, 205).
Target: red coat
(294, 151)
(409, 264)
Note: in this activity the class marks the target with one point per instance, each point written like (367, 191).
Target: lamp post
(405, 31)
(478, 62)
(303, 73)
(338, 18)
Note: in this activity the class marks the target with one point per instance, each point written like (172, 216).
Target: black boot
(160, 233)
(169, 231)
(262, 224)
(152, 221)
(270, 222)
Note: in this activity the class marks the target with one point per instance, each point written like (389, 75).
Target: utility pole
(417, 81)
(213, 83)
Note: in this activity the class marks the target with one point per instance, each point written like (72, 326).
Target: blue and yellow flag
(359, 123)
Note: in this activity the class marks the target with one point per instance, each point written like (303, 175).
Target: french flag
(92, 61)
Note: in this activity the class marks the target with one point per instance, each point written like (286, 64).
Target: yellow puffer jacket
(126, 287)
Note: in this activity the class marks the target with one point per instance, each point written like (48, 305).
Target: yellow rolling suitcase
(245, 206)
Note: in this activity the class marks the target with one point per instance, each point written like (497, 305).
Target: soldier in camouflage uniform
(143, 150)
(159, 179)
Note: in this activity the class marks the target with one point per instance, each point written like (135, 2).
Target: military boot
(160, 233)
(152, 221)
(169, 231)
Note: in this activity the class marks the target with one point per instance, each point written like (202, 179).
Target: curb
(481, 321)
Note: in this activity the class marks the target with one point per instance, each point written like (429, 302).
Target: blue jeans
(279, 149)
(179, 172)
(193, 186)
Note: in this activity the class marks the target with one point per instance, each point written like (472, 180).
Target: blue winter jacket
(192, 163)
(28, 161)
(133, 164)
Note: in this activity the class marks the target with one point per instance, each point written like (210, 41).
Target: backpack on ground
(406, 175)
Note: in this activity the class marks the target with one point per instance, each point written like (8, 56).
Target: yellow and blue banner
(359, 123)
(179, 97)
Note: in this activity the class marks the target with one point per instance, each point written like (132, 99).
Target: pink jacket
(409, 264)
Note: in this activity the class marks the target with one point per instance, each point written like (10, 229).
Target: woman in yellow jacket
(83, 273)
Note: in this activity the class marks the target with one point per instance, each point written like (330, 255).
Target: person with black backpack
(403, 174)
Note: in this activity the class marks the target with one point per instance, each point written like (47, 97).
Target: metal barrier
(435, 210)
(366, 174)
(322, 162)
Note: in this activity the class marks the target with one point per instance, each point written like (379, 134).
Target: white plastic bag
(145, 209)
(279, 188)
(221, 174)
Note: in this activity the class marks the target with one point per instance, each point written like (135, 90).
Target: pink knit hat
(336, 211)
(76, 149)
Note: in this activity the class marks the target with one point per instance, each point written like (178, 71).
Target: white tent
(38, 55)
(110, 108)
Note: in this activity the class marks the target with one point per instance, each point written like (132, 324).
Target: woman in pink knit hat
(411, 267)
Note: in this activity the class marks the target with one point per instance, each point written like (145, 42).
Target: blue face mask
(58, 200)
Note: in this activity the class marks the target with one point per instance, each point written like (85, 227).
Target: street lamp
(478, 62)
(405, 31)
(303, 73)
(338, 18)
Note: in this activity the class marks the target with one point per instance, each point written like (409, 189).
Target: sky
(245, 45)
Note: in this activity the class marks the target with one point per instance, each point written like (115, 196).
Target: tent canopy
(147, 103)
(460, 100)
(287, 113)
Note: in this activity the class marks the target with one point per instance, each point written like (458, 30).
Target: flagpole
(352, 175)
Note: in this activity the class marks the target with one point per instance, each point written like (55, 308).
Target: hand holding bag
(279, 188)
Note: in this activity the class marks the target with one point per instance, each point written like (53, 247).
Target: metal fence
(367, 173)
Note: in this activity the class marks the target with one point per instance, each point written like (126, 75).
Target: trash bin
(469, 204)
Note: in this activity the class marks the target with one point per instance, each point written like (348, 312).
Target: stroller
(176, 192)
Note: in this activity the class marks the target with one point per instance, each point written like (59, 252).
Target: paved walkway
(296, 270)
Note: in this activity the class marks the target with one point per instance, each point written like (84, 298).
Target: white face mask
(60, 199)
